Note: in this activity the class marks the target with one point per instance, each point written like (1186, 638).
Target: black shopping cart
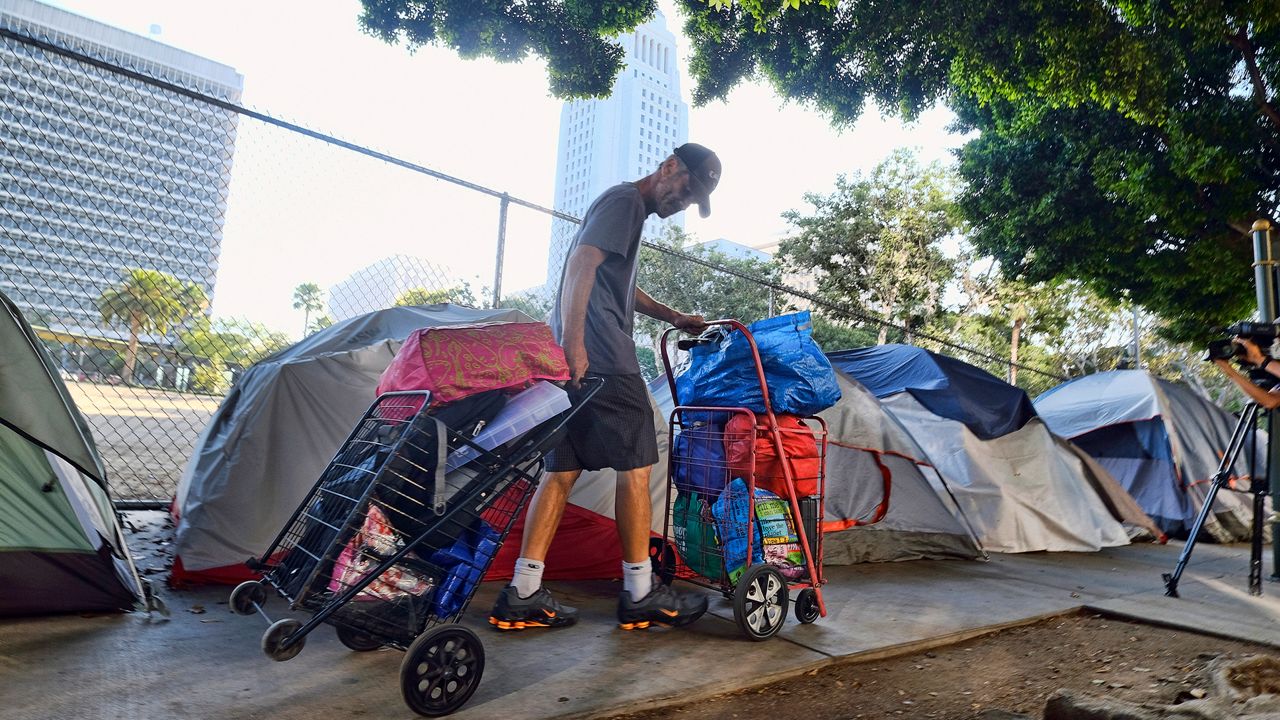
(390, 545)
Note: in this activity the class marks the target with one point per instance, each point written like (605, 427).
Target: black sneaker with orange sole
(539, 610)
(662, 606)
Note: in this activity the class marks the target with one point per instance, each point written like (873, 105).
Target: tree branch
(1241, 42)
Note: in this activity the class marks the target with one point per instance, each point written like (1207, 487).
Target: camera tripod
(1258, 487)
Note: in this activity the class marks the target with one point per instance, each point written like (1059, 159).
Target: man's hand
(1224, 365)
(1252, 353)
(575, 355)
(692, 324)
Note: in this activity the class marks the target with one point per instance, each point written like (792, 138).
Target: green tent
(61, 546)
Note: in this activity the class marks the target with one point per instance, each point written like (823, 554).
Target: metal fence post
(502, 249)
(1264, 278)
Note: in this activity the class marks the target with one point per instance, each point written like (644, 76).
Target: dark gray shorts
(614, 430)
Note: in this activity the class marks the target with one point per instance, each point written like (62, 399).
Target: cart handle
(691, 342)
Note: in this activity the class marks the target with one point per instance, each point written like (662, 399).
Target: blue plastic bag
(723, 374)
(466, 561)
(732, 511)
(698, 463)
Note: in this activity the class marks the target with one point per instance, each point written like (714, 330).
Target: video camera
(1261, 334)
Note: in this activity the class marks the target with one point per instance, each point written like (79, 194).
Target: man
(1255, 358)
(592, 321)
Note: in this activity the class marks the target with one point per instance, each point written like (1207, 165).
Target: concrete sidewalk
(208, 664)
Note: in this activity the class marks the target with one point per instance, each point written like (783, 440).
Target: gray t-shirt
(613, 224)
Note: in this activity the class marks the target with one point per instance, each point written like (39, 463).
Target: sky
(299, 211)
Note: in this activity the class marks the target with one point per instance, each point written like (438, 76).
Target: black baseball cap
(704, 173)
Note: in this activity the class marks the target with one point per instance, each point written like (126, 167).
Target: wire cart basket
(719, 532)
(389, 548)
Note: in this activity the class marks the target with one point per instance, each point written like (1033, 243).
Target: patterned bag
(375, 539)
(461, 360)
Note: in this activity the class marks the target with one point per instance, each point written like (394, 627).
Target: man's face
(674, 191)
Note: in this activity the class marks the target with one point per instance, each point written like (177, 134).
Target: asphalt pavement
(205, 662)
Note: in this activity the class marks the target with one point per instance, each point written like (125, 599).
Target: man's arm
(646, 305)
(1268, 400)
(579, 278)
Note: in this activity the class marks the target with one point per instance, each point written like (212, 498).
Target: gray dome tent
(1161, 441)
(279, 427)
(867, 446)
(1022, 489)
(61, 546)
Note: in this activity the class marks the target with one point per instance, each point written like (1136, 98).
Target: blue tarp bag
(722, 373)
(732, 511)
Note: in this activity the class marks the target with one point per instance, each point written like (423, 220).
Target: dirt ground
(145, 435)
(1013, 671)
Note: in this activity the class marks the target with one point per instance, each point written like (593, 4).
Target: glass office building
(101, 173)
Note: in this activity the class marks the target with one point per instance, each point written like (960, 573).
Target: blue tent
(1022, 488)
(948, 387)
(1160, 440)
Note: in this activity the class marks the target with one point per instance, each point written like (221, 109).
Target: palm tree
(149, 301)
(307, 297)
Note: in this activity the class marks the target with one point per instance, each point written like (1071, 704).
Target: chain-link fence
(120, 177)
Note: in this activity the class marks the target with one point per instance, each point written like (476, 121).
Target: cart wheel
(273, 640)
(441, 670)
(760, 602)
(356, 640)
(663, 557)
(807, 610)
(248, 597)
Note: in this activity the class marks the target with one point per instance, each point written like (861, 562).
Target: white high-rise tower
(622, 137)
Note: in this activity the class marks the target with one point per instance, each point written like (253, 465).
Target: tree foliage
(1138, 57)
(832, 334)
(877, 240)
(308, 297)
(320, 322)
(573, 36)
(693, 288)
(534, 303)
(1085, 193)
(226, 342)
(458, 295)
(148, 302)
(1129, 144)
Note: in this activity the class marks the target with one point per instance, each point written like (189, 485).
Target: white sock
(528, 576)
(637, 579)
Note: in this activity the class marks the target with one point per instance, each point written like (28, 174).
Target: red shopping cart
(744, 508)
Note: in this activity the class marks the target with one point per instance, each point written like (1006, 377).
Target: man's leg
(633, 509)
(546, 507)
(642, 602)
(524, 603)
